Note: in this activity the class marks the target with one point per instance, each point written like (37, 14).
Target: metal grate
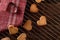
(49, 32)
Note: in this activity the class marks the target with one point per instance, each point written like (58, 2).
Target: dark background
(51, 31)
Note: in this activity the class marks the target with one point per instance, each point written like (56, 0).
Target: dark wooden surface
(49, 32)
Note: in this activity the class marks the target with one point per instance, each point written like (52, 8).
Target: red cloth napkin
(5, 16)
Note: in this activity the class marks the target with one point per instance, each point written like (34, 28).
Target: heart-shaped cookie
(39, 1)
(28, 25)
(42, 21)
(6, 38)
(12, 29)
(22, 36)
(33, 8)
